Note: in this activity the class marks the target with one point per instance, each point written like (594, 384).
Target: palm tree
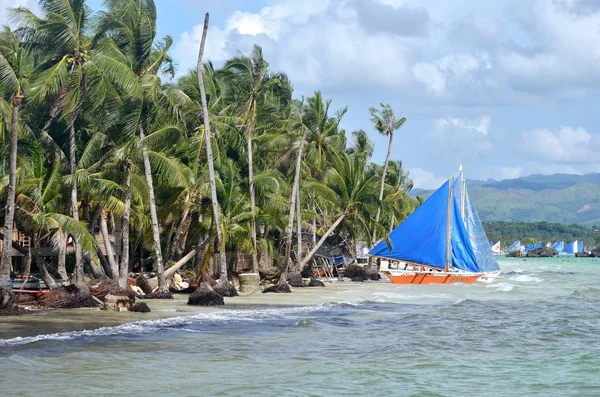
(249, 81)
(74, 74)
(386, 123)
(220, 251)
(41, 201)
(15, 71)
(131, 26)
(347, 190)
(294, 197)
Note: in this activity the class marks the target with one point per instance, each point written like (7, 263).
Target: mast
(448, 226)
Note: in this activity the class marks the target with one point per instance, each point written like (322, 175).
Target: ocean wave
(502, 287)
(395, 297)
(527, 278)
(148, 326)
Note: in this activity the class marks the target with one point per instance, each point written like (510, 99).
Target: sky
(506, 88)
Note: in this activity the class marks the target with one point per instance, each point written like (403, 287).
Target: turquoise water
(534, 332)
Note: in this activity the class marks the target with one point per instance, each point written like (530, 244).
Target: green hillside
(508, 232)
(558, 198)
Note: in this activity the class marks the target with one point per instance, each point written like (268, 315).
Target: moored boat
(441, 242)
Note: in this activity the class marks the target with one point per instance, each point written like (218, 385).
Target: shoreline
(38, 322)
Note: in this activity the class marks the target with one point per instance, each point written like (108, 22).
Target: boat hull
(415, 277)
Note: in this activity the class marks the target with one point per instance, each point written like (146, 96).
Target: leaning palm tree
(346, 192)
(16, 67)
(386, 123)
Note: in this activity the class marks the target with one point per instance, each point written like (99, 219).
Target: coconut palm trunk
(381, 187)
(162, 283)
(252, 200)
(331, 229)
(7, 298)
(62, 256)
(298, 230)
(124, 265)
(110, 253)
(293, 197)
(79, 275)
(220, 251)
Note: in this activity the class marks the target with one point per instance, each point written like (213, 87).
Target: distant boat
(559, 246)
(441, 242)
(516, 246)
(580, 246)
(571, 248)
(496, 248)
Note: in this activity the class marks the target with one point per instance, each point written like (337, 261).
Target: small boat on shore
(441, 242)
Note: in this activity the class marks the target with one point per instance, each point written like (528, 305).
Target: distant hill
(558, 198)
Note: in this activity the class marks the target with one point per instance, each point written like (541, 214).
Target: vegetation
(528, 232)
(97, 137)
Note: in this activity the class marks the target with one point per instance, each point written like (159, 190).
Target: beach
(533, 332)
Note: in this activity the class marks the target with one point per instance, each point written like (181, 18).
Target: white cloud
(6, 5)
(423, 179)
(452, 71)
(481, 125)
(564, 50)
(568, 145)
(319, 43)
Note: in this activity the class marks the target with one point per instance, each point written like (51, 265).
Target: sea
(533, 332)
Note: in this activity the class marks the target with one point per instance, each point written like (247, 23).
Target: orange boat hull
(431, 278)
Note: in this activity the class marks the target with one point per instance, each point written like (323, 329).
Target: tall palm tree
(220, 251)
(16, 67)
(250, 82)
(131, 26)
(386, 123)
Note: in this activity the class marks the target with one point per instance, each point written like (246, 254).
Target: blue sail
(559, 246)
(516, 246)
(580, 246)
(421, 238)
(484, 256)
(570, 248)
(463, 255)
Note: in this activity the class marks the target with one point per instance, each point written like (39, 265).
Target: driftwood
(153, 282)
(205, 296)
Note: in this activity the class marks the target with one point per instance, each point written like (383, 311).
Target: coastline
(82, 319)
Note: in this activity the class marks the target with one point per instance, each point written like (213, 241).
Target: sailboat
(441, 242)
(571, 248)
(516, 246)
(496, 248)
(559, 246)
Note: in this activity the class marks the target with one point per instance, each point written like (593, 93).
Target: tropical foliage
(112, 145)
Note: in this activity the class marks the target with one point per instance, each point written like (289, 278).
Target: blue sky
(507, 88)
